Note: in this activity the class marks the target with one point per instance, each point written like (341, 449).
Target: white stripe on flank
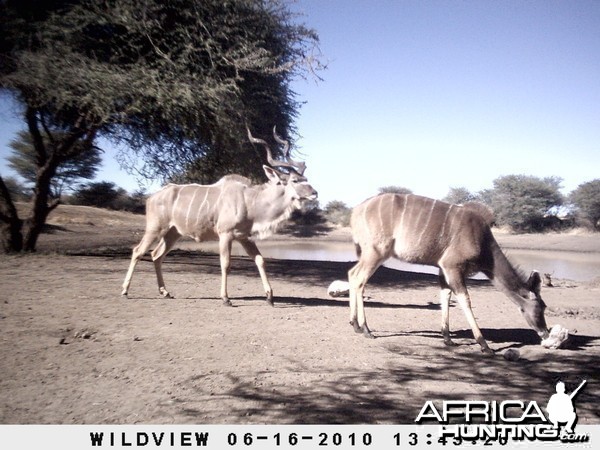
(200, 207)
(403, 213)
(189, 210)
(392, 215)
(446, 220)
(174, 208)
(426, 224)
(461, 211)
(217, 204)
(380, 213)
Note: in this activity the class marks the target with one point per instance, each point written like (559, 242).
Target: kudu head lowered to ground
(231, 209)
(455, 238)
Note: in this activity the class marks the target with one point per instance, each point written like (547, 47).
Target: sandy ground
(73, 351)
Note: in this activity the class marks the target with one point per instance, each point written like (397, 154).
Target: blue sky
(430, 95)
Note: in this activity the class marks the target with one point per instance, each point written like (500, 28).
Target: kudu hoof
(227, 302)
(165, 293)
(488, 351)
(450, 343)
(364, 330)
(270, 299)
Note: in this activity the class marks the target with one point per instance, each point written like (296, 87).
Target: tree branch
(53, 204)
(46, 129)
(38, 141)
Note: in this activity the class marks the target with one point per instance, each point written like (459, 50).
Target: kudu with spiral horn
(232, 209)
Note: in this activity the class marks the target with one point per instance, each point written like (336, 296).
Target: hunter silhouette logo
(560, 407)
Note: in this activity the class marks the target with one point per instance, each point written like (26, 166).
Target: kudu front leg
(465, 302)
(225, 242)
(253, 252)
(453, 278)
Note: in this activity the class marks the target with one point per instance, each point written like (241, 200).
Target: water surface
(575, 266)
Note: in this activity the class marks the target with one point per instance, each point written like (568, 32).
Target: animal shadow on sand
(315, 272)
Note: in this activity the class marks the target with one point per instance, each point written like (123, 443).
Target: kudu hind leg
(357, 278)
(445, 294)
(254, 253)
(137, 253)
(158, 256)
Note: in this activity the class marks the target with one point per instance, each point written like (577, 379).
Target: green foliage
(172, 83)
(459, 196)
(175, 81)
(106, 194)
(394, 190)
(83, 162)
(308, 221)
(337, 213)
(101, 194)
(586, 199)
(523, 202)
(18, 192)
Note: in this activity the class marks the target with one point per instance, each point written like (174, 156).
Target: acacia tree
(394, 190)
(338, 213)
(522, 201)
(587, 200)
(459, 196)
(170, 82)
(84, 164)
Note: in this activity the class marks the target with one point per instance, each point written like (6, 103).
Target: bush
(586, 198)
(459, 196)
(338, 213)
(106, 194)
(394, 190)
(523, 202)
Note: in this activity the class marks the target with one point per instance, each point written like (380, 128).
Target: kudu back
(231, 209)
(455, 238)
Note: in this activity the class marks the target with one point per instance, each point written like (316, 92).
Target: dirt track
(73, 351)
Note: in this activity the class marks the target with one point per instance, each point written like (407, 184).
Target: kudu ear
(534, 283)
(272, 174)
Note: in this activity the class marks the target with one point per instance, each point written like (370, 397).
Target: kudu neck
(507, 278)
(270, 203)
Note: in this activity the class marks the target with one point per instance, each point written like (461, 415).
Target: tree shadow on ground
(51, 229)
(392, 394)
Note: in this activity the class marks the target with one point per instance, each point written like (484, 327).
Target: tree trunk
(34, 224)
(17, 235)
(11, 238)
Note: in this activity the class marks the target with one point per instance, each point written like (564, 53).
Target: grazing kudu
(455, 238)
(231, 209)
